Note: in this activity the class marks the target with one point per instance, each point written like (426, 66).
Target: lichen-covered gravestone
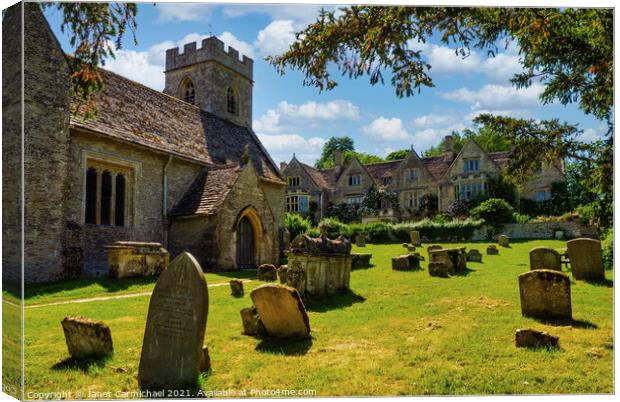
(415, 238)
(440, 269)
(267, 272)
(492, 250)
(545, 258)
(360, 240)
(87, 338)
(474, 255)
(281, 311)
(175, 326)
(282, 274)
(586, 259)
(545, 294)
(236, 287)
(503, 240)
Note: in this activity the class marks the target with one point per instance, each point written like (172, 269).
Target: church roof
(138, 114)
(208, 191)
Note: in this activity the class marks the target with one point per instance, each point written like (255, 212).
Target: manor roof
(208, 191)
(132, 112)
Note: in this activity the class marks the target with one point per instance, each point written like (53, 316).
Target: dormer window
(472, 166)
(355, 180)
(188, 93)
(294, 181)
(412, 175)
(232, 101)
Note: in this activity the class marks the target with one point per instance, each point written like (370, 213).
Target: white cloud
(137, 66)
(282, 146)
(275, 38)
(169, 12)
(301, 14)
(387, 129)
(591, 134)
(244, 48)
(493, 96)
(434, 120)
(287, 117)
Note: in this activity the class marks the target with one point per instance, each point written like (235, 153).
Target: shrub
(520, 218)
(494, 211)
(296, 225)
(451, 230)
(378, 232)
(333, 227)
(457, 209)
(607, 244)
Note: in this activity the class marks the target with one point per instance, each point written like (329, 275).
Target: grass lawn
(395, 333)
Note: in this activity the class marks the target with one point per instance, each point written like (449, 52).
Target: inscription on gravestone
(175, 326)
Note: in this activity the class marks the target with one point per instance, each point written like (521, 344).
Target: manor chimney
(283, 166)
(448, 149)
(338, 158)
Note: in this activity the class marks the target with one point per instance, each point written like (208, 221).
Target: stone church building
(182, 167)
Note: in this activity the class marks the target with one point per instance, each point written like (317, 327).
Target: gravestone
(545, 294)
(401, 263)
(503, 240)
(360, 240)
(267, 272)
(441, 269)
(282, 274)
(432, 248)
(531, 338)
(492, 250)
(360, 261)
(281, 311)
(474, 255)
(545, 258)
(87, 338)
(252, 325)
(586, 259)
(296, 277)
(454, 257)
(175, 326)
(236, 287)
(415, 238)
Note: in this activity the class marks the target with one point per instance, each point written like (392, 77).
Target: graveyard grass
(394, 333)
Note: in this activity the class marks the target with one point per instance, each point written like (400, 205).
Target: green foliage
(494, 211)
(458, 141)
(371, 204)
(95, 31)
(342, 144)
(397, 155)
(458, 209)
(296, 225)
(363, 157)
(489, 140)
(520, 218)
(453, 230)
(342, 212)
(378, 232)
(333, 227)
(607, 244)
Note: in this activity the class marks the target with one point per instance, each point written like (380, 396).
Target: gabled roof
(438, 165)
(501, 159)
(382, 169)
(322, 177)
(208, 191)
(138, 114)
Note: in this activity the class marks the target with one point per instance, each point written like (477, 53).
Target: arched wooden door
(245, 244)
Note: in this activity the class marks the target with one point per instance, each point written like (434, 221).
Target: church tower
(213, 79)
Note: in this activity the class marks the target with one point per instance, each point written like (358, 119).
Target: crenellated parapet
(212, 49)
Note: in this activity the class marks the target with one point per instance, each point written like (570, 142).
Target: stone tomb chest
(127, 259)
(327, 264)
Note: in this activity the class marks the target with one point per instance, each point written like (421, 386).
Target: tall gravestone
(175, 326)
(415, 238)
(545, 294)
(586, 259)
(545, 258)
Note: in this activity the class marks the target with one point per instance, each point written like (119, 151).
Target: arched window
(91, 196)
(231, 101)
(119, 203)
(187, 91)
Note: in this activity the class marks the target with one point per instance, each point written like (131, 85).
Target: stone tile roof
(138, 114)
(208, 191)
(382, 169)
(502, 159)
(438, 165)
(325, 178)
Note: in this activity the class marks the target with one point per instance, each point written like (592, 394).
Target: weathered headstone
(545, 294)
(401, 263)
(175, 326)
(252, 325)
(531, 338)
(360, 261)
(282, 274)
(267, 272)
(454, 257)
(441, 269)
(474, 255)
(415, 238)
(492, 250)
(281, 311)
(545, 258)
(432, 248)
(296, 277)
(236, 287)
(87, 338)
(360, 240)
(586, 259)
(503, 241)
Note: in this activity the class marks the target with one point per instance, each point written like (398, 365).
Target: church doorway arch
(248, 237)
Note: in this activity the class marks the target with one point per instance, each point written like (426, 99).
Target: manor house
(448, 177)
(181, 167)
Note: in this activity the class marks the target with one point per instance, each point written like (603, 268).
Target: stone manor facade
(182, 167)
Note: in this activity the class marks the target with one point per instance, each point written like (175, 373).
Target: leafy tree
(488, 139)
(332, 145)
(494, 211)
(397, 155)
(363, 157)
(96, 30)
(458, 141)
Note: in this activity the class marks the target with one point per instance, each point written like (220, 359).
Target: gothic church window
(188, 92)
(106, 197)
(91, 196)
(232, 101)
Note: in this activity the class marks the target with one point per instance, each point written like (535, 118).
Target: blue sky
(289, 117)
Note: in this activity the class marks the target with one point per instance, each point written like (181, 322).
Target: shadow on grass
(288, 347)
(337, 301)
(84, 365)
(109, 284)
(463, 272)
(363, 268)
(238, 274)
(190, 389)
(585, 324)
(607, 283)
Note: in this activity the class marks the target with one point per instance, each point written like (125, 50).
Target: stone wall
(542, 230)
